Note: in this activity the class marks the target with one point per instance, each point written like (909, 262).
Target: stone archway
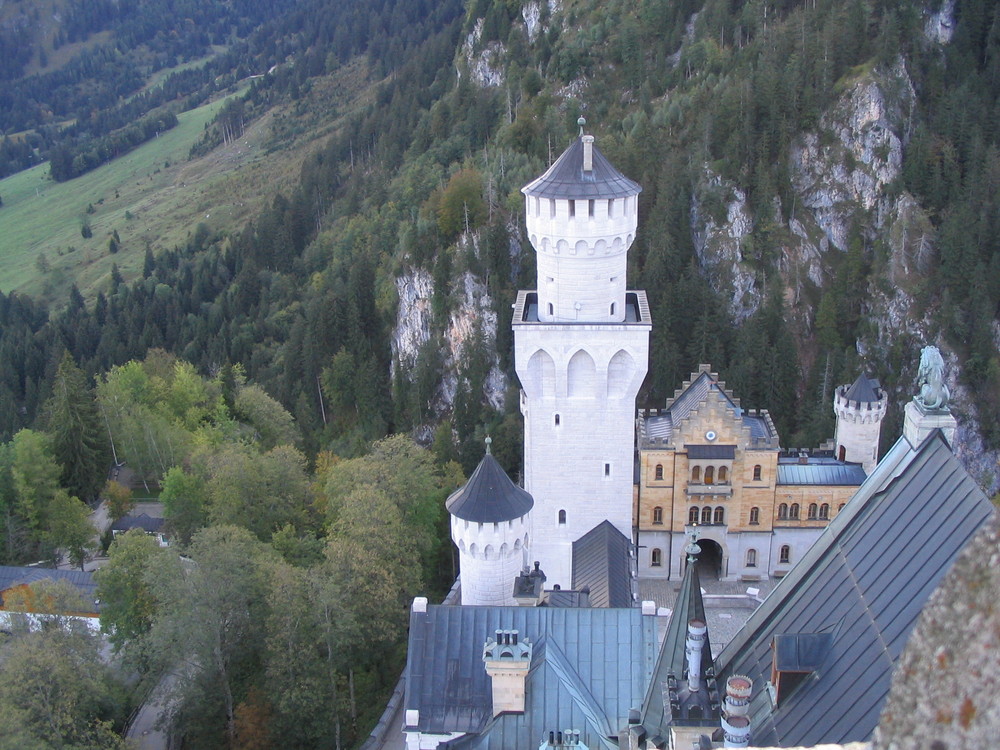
(710, 560)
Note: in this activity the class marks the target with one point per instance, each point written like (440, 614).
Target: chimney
(697, 630)
(735, 707)
(588, 153)
(507, 658)
(563, 739)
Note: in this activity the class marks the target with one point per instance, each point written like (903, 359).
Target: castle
(581, 345)
(561, 656)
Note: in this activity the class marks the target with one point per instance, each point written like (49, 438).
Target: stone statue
(930, 379)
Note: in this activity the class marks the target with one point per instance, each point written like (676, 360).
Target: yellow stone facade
(705, 462)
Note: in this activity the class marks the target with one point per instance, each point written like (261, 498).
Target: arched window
(658, 515)
(723, 474)
(693, 515)
(793, 512)
(696, 474)
(706, 515)
(658, 474)
(612, 310)
(783, 512)
(558, 420)
(709, 475)
(656, 558)
(824, 512)
(720, 515)
(550, 308)
(756, 473)
(755, 516)
(751, 558)
(813, 511)
(785, 554)
(840, 507)
(562, 517)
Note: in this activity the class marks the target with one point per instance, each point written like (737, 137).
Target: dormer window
(794, 656)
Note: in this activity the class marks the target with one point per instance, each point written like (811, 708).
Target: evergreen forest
(820, 199)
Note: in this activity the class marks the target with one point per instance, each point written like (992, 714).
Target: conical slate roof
(489, 496)
(565, 179)
(865, 390)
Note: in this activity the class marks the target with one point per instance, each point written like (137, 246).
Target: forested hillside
(820, 198)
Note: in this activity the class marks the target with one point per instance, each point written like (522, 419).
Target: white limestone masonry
(580, 365)
(491, 556)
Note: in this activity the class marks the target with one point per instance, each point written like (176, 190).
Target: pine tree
(79, 440)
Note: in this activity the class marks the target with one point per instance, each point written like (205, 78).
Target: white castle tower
(581, 344)
(860, 409)
(490, 524)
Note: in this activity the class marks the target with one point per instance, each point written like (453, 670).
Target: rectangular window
(607, 470)
(590, 208)
(572, 209)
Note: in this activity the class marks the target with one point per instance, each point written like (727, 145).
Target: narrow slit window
(607, 470)
(557, 420)
(562, 517)
(572, 209)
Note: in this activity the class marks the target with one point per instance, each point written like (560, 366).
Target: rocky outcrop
(720, 244)
(843, 168)
(939, 25)
(472, 323)
(486, 67)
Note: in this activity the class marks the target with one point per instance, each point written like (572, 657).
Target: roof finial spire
(693, 548)
(581, 122)
(489, 442)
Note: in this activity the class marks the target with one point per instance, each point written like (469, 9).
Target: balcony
(719, 489)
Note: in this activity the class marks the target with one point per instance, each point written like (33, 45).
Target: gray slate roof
(589, 667)
(601, 562)
(142, 521)
(11, 576)
(818, 471)
(565, 179)
(489, 496)
(864, 390)
(864, 582)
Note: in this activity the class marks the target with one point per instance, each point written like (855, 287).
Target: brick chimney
(507, 660)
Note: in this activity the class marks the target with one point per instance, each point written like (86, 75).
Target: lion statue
(930, 379)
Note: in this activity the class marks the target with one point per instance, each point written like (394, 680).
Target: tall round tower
(581, 217)
(490, 525)
(860, 409)
(581, 344)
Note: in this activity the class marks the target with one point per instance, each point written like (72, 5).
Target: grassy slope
(223, 189)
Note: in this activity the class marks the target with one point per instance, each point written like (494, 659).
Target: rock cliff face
(842, 170)
(471, 321)
(842, 174)
(487, 66)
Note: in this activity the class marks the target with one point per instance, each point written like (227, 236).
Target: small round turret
(490, 523)
(860, 409)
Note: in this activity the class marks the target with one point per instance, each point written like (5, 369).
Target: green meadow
(152, 197)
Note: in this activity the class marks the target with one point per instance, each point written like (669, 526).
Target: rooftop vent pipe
(697, 631)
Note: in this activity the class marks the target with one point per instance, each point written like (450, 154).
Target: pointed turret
(860, 408)
(683, 698)
(490, 522)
